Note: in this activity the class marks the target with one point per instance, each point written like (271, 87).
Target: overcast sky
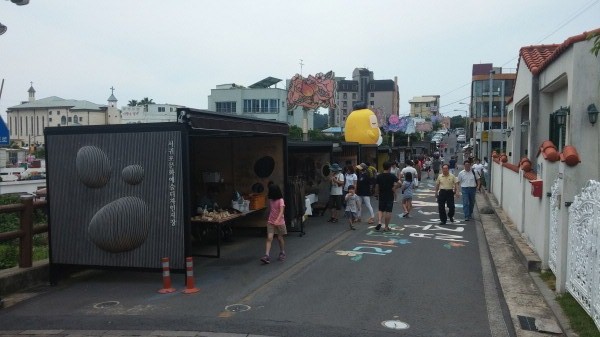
(176, 51)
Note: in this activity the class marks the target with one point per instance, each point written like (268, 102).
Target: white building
(152, 113)
(259, 100)
(26, 121)
(424, 106)
(548, 183)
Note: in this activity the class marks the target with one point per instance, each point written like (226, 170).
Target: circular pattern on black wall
(121, 225)
(92, 166)
(264, 166)
(133, 174)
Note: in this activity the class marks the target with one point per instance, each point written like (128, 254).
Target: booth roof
(309, 145)
(209, 120)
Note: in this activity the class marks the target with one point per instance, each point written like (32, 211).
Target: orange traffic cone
(166, 277)
(190, 288)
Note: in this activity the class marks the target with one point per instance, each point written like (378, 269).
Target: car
(461, 138)
(460, 131)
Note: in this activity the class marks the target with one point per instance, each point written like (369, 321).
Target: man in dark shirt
(387, 184)
(452, 165)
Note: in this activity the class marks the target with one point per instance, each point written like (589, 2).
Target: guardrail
(26, 229)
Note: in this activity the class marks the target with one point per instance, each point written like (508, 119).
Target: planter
(570, 156)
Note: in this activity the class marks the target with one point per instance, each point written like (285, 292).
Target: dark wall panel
(116, 199)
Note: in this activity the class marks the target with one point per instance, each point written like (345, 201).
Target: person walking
(395, 170)
(386, 186)
(352, 206)
(350, 178)
(478, 167)
(364, 191)
(407, 194)
(335, 193)
(446, 186)
(469, 181)
(275, 223)
(436, 165)
(452, 165)
(410, 167)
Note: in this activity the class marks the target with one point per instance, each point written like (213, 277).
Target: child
(352, 206)
(407, 194)
(276, 223)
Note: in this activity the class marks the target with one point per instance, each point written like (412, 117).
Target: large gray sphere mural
(121, 225)
(93, 167)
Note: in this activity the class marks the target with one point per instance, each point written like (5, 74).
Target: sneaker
(330, 220)
(442, 224)
(387, 229)
(451, 219)
(378, 227)
(281, 256)
(405, 215)
(265, 259)
(352, 227)
(334, 220)
(371, 221)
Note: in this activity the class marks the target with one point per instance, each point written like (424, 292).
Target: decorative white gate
(583, 263)
(554, 213)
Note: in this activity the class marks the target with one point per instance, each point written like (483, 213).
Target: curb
(533, 264)
(18, 279)
(528, 257)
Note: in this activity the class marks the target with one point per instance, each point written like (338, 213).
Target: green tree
(133, 102)
(457, 122)
(146, 101)
(596, 47)
(295, 132)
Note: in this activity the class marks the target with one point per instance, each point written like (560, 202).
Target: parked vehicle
(461, 138)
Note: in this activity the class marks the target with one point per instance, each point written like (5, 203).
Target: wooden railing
(26, 229)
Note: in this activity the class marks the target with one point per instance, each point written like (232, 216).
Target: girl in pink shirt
(276, 223)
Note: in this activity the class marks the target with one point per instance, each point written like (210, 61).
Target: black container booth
(308, 165)
(123, 195)
(345, 151)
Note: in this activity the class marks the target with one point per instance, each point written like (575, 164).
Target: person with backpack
(469, 181)
(407, 194)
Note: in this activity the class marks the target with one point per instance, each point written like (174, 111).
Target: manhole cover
(237, 308)
(395, 324)
(107, 304)
(527, 323)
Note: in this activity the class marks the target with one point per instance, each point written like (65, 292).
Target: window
(372, 94)
(70, 119)
(345, 104)
(161, 109)
(81, 119)
(353, 95)
(345, 95)
(58, 112)
(75, 119)
(372, 103)
(49, 119)
(50, 113)
(345, 112)
(273, 106)
(226, 107)
(43, 122)
(26, 124)
(63, 120)
(557, 134)
(10, 125)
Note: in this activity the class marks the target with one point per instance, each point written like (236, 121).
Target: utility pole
(491, 97)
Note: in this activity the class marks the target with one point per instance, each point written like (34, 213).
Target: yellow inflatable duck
(362, 127)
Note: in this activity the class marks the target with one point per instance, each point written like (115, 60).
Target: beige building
(26, 121)
(424, 106)
(381, 96)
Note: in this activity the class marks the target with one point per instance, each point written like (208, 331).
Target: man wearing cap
(335, 193)
(363, 190)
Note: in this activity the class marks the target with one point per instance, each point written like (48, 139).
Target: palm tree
(146, 101)
(133, 102)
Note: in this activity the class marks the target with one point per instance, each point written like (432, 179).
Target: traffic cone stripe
(189, 282)
(166, 277)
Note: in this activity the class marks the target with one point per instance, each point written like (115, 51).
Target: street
(420, 279)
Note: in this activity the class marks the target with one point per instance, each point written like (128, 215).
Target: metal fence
(26, 230)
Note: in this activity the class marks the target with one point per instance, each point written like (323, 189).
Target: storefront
(125, 195)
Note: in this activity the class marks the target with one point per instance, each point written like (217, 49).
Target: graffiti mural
(312, 92)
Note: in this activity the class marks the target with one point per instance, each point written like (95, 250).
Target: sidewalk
(516, 266)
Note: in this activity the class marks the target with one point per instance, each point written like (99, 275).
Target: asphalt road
(420, 279)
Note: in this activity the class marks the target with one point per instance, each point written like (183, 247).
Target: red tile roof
(537, 58)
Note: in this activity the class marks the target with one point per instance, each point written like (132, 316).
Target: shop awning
(211, 121)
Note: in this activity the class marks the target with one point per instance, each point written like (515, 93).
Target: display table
(219, 226)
